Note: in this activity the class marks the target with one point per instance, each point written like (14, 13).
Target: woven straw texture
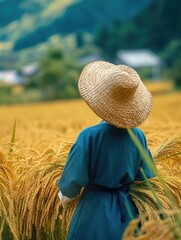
(115, 93)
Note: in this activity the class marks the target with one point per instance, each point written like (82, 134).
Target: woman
(104, 160)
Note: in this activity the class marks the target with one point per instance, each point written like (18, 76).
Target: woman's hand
(65, 201)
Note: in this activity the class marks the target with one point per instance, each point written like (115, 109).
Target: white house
(140, 58)
(10, 77)
(29, 70)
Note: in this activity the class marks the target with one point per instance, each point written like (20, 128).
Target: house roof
(138, 58)
(29, 70)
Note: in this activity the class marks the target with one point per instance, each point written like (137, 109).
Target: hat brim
(121, 112)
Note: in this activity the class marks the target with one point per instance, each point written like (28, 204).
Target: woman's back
(114, 158)
(104, 160)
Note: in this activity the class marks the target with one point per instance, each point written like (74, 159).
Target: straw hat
(115, 93)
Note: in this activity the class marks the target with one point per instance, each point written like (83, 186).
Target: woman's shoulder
(87, 136)
(101, 127)
(90, 130)
(138, 133)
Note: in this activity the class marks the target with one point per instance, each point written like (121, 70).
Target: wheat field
(45, 125)
(29, 170)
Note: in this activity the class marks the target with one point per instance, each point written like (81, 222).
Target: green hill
(26, 23)
(157, 25)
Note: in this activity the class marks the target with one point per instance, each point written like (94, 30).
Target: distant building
(14, 77)
(29, 70)
(10, 77)
(140, 58)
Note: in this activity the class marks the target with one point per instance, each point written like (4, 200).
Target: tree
(172, 53)
(172, 58)
(153, 28)
(109, 39)
(79, 39)
(176, 73)
(57, 78)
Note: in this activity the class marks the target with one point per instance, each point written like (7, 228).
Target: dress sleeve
(144, 165)
(75, 173)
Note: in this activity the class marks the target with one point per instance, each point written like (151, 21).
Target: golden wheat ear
(159, 197)
(168, 158)
(8, 214)
(149, 230)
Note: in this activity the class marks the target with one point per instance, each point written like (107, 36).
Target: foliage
(83, 15)
(172, 58)
(5, 92)
(79, 39)
(108, 40)
(176, 73)
(172, 53)
(5, 89)
(31, 39)
(163, 27)
(6, 11)
(10, 97)
(140, 32)
(13, 138)
(57, 76)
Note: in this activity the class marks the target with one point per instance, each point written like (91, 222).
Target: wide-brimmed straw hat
(115, 93)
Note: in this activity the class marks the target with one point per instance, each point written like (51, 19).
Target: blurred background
(44, 44)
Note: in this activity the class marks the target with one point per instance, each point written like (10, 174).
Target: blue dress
(103, 155)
